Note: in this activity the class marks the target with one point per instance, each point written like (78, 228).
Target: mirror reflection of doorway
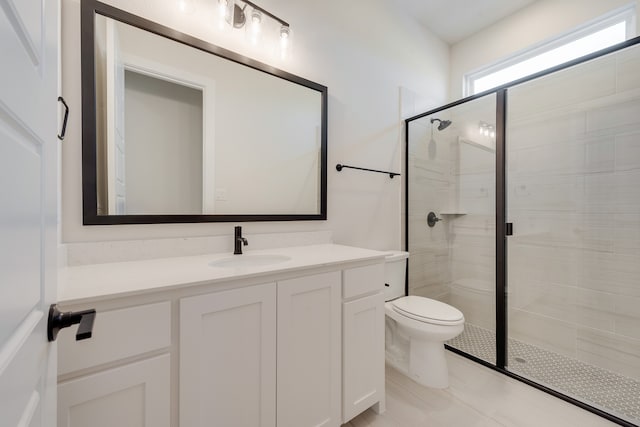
(164, 123)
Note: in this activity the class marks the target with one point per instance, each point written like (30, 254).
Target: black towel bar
(391, 174)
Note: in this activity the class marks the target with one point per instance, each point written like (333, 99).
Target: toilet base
(428, 364)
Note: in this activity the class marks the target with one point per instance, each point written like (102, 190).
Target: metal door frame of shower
(501, 94)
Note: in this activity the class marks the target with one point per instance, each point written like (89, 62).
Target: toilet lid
(427, 310)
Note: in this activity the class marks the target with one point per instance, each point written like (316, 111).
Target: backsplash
(73, 254)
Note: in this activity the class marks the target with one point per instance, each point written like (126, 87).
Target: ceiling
(455, 20)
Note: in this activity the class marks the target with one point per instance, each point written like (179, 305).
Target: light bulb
(224, 13)
(253, 27)
(256, 20)
(285, 41)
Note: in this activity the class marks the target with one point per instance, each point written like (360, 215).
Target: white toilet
(422, 323)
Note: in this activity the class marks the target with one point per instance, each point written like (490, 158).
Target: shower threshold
(600, 388)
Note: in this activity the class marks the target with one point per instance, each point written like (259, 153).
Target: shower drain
(519, 360)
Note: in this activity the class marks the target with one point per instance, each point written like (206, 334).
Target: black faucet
(238, 240)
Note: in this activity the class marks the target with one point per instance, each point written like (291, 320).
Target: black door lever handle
(60, 320)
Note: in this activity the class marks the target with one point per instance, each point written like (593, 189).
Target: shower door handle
(508, 229)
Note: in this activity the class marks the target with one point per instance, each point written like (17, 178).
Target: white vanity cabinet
(120, 377)
(309, 371)
(228, 358)
(228, 346)
(363, 340)
(295, 347)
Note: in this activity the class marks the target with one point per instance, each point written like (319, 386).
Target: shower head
(443, 123)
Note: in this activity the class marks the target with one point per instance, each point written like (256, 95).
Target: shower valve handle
(432, 219)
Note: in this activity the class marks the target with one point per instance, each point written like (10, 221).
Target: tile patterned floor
(611, 392)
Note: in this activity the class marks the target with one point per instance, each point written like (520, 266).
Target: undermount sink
(249, 260)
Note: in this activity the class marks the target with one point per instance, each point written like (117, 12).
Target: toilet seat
(427, 310)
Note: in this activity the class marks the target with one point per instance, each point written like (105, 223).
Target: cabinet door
(228, 358)
(309, 351)
(363, 353)
(134, 395)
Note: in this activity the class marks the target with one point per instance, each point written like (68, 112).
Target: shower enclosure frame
(503, 229)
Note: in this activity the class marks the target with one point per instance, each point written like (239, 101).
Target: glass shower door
(573, 196)
(452, 181)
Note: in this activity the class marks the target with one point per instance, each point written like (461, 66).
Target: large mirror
(178, 130)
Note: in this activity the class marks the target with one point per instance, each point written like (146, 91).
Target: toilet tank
(395, 267)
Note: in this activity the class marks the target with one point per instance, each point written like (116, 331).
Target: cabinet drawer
(362, 280)
(117, 334)
(137, 395)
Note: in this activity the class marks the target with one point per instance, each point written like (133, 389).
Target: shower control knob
(432, 219)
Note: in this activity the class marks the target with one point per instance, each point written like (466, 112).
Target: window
(611, 29)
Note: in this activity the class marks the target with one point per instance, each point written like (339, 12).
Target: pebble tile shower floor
(611, 392)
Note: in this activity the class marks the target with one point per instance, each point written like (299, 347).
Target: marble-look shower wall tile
(596, 232)
(429, 269)
(553, 300)
(610, 272)
(545, 228)
(477, 193)
(473, 262)
(627, 316)
(545, 131)
(596, 309)
(424, 236)
(614, 352)
(543, 264)
(429, 195)
(626, 234)
(628, 69)
(425, 168)
(545, 332)
(557, 158)
(438, 292)
(600, 154)
(627, 151)
(545, 192)
(477, 305)
(474, 224)
(617, 116)
(617, 192)
(474, 160)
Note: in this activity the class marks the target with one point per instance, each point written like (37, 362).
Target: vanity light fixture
(234, 13)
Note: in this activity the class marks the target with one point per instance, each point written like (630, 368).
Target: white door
(28, 209)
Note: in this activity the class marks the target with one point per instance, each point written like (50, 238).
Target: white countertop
(94, 282)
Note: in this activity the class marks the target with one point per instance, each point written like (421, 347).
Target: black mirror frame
(89, 9)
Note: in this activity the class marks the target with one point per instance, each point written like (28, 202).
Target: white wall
(364, 51)
(542, 20)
